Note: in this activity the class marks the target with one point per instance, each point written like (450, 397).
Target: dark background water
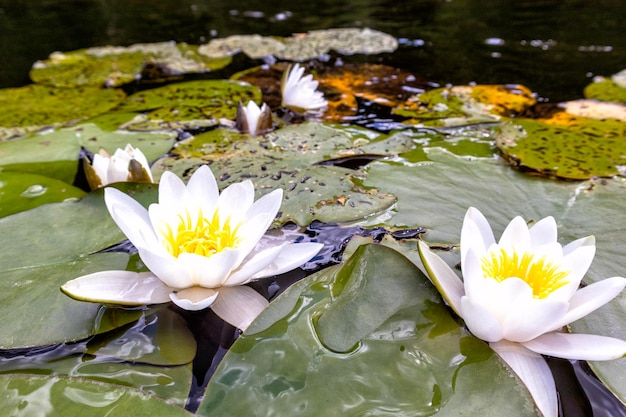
(554, 47)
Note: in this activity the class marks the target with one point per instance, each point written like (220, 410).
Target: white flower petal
(258, 219)
(239, 306)
(480, 321)
(194, 298)
(166, 267)
(534, 372)
(584, 241)
(131, 217)
(474, 280)
(578, 346)
(253, 265)
(529, 318)
(590, 298)
(118, 287)
(290, 257)
(235, 200)
(299, 93)
(543, 232)
(579, 262)
(172, 192)
(516, 235)
(202, 188)
(443, 277)
(212, 271)
(476, 233)
(139, 156)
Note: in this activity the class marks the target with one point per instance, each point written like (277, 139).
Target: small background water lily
(519, 293)
(200, 246)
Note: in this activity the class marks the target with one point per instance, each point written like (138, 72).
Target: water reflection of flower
(519, 293)
(300, 93)
(200, 246)
(128, 164)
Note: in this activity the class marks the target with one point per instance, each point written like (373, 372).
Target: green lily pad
(46, 395)
(21, 191)
(583, 149)
(62, 232)
(213, 96)
(56, 153)
(36, 313)
(463, 105)
(312, 45)
(41, 105)
(293, 357)
(608, 89)
(283, 159)
(447, 185)
(156, 339)
(113, 66)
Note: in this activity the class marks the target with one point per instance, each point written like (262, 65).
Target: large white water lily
(200, 247)
(253, 119)
(520, 292)
(128, 164)
(300, 93)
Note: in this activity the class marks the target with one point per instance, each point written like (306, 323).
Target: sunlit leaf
(409, 357)
(461, 105)
(189, 104)
(580, 148)
(608, 89)
(113, 66)
(54, 395)
(40, 105)
(20, 191)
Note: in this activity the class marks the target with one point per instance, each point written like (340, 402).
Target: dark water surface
(553, 47)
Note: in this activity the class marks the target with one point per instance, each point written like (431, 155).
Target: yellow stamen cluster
(540, 274)
(200, 235)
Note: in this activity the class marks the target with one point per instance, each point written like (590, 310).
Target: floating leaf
(592, 109)
(40, 105)
(54, 395)
(20, 191)
(405, 358)
(189, 104)
(461, 105)
(113, 66)
(608, 89)
(55, 153)
(437, 193)
(302, 47)
(282, 159)
(30, 299)
(582, 149)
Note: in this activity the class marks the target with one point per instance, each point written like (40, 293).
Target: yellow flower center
(542, 275)
(200, 235)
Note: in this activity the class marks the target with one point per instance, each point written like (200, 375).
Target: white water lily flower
(253, 119)
(128, 164)
(200, 247)
(519, 293)
(300, 93)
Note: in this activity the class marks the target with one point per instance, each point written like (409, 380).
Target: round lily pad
(42, 105)
(55, 395)
(369, 337)
(113, 66)
(20, 191)
(583, 149)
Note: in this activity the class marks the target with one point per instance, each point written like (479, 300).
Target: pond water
(554, 48)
